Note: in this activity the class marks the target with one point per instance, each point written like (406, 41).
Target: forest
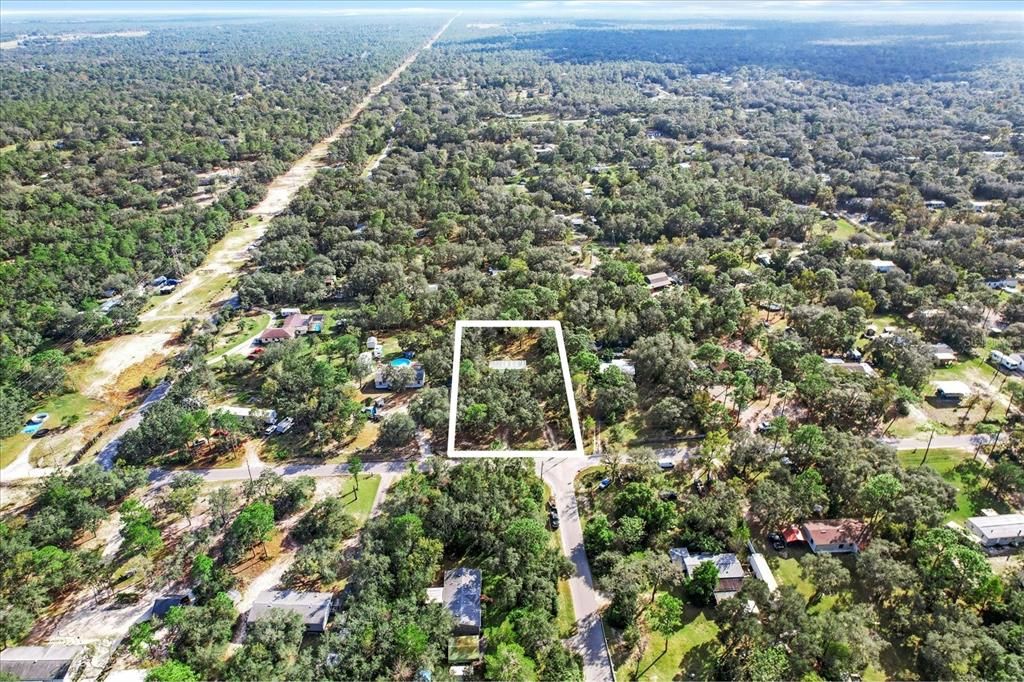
(787, 260)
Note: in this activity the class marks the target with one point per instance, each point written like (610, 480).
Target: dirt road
(212, 280)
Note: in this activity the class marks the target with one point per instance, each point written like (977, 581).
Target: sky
(959, 10)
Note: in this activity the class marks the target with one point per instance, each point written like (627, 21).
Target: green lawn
(688, 650)
(966, 475)
(565, 621)
(237, 331)
(788, 573)
(360, 507)
(58, 408)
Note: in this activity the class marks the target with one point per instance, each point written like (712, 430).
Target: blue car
(605, 482)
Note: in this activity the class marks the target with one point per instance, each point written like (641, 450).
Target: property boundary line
(563, 357)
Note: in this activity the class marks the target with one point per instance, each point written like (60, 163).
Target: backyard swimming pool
(401, 362)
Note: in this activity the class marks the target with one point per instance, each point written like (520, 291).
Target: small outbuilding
(759, 565)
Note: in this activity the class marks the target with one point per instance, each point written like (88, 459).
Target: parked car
(270, 429)
(605, 482)
(776, 541)
(763, 427)
(39, 418)
(668, 495)
(553, 520)
(666, 464)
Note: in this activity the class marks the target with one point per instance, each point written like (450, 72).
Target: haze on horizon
(811, 10)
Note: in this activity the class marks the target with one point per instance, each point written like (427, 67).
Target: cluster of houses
(830, 536)
(460, 595)
(295, 325)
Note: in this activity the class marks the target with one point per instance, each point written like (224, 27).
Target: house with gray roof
(40, 663)
(461, 595)
(313, 607)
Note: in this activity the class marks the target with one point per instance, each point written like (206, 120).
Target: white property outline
(563, 357)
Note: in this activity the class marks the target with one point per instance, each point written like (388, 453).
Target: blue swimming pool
(401, 362)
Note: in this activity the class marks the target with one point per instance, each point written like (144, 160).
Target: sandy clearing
(118, 356)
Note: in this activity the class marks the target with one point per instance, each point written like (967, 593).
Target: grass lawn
(565, 621)
(788, 573)
(687, 651)
(58, 408)
(237, 331)
(359, 507)
(966, 475)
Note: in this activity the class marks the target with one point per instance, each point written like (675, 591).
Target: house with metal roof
(658, 280)
(730, 570)
(998, 529)
(461, 595)
(313, 607)
(40, 663)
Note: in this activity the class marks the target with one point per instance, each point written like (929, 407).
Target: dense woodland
(126, 158)
(541, 171)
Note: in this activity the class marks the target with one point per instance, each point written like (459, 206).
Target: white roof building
(624, 364)
(952, 390)
(759, 565)
(502, 365)
(1000, 529)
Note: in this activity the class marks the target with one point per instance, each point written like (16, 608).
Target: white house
(998, 529)
(881, 265)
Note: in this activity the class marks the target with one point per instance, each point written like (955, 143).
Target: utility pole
(928, 447)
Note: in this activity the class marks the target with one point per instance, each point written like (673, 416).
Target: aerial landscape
(506, 340)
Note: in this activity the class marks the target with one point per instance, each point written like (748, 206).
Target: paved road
(587, 602)
(130, 423)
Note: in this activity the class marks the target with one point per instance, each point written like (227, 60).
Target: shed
(461, 593)
(43, 663)
(942, 355)
(313, 607)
